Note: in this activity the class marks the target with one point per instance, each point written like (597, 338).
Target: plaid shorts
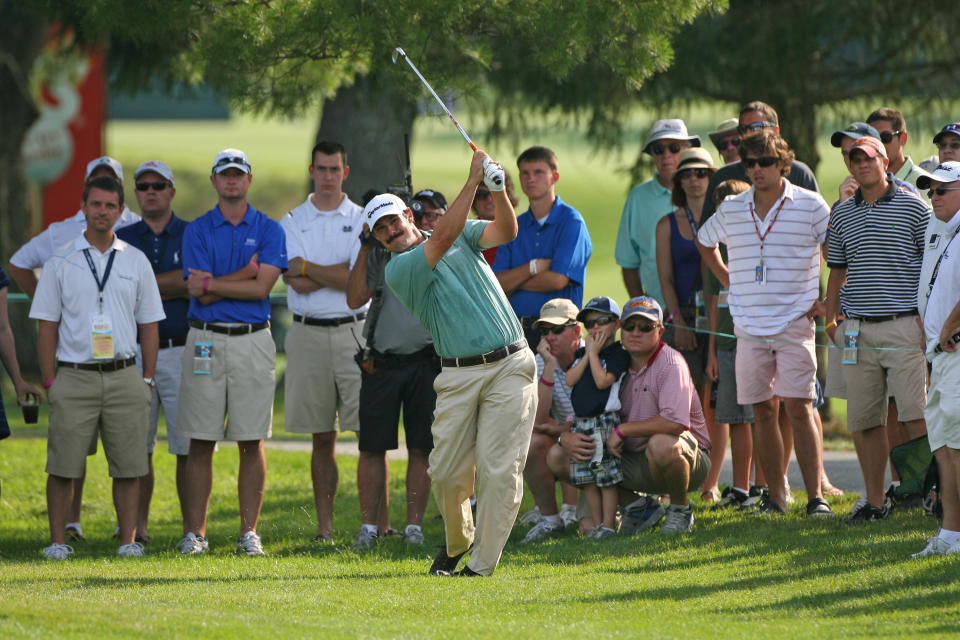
(606, 472)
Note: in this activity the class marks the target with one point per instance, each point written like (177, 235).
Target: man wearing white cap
(232, 256)
(726, 139)
(41, 248)
(486, 390)
(875, 253)
(647, 202)
(159, 235)
(941, 324)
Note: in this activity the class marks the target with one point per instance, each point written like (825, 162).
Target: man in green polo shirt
(486, 391)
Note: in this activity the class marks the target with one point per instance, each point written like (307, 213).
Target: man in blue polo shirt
(486, 390)
(548, 258)
(159, 234)
(232, 256)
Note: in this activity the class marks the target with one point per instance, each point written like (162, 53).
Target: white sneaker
(413, 536)
(249, 543)
(365, 539)
(57, 551)
(542, 530)
(530, 518)
(679, 519)
(192, 545)
(936, 546)
(568, 515)
(132, 550)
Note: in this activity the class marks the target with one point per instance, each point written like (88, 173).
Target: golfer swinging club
(486, 394)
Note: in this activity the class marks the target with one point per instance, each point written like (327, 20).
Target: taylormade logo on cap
(385, 204)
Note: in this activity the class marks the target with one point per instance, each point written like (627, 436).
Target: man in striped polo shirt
(875, 252)
(773, 234)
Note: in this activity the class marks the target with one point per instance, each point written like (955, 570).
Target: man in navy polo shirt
(549, 257)
(159, 234)
(232, 256)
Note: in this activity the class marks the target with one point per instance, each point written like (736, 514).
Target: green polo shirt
(637, 237)
(459, 301)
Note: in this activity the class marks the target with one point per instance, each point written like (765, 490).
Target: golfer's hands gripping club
(492, 174)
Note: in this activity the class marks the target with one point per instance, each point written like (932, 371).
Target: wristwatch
(150, 381)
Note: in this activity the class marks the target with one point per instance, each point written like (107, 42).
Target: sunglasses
(700, 173)
(482, 195)
(644, 327)
(232, 160)
(754, 126)
(887, 136)
(658, 149)
(555, 330)
(765, 161)
(953, 144)
(941, 191)
(598, 322)
(156, 186)
(733, 142)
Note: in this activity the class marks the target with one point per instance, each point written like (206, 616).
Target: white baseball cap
(674, 129)
(945, 172)
(381, 206)
(105, 161)
(157, 166)
(231, 158)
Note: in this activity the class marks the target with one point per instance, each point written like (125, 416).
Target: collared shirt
(164, 251)
(324, 238)
(564, 239)
(934, 241)
(67, 293)
(909, 172)
(794, 229)
(42, 246)
(636, 247)
(211, 243)
(800, 176)
(945, 292)
(881, 247)
(395, 330)
(662, 388)
(459, 300)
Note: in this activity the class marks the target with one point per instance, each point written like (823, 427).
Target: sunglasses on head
(733, 142)
(765, 161)
(941, 191)
(160, 185)
(754, 126)
(658, 149)
(644, 327)
(598, 322)
(700, 173)
(482, 194)
(953, 144)
(234, 160)
(887, 136)
(555, 330)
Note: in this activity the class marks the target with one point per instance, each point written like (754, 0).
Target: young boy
(594, 378)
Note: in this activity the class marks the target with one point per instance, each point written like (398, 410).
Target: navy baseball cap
(953, 127)
(433, 197)
(603, 304)
(855, 130)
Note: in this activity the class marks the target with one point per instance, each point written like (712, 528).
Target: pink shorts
(782, 365)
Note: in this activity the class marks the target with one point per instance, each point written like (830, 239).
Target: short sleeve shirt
(945, 292)
(637, 238)
(459, 300)
(564, 239)
(42, 246)
(800, 175)
(588, 400)
(165, 253)
(67, 293)
(396, 330)
(211, 243)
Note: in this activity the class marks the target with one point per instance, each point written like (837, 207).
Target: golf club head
(398, 53)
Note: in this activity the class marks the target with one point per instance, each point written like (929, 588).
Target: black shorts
(398, 383)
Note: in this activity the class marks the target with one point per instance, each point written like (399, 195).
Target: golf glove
(492, 175)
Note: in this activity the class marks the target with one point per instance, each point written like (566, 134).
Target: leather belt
(238, 330)
(485, 358)
(902, 314)
(103, 367)
(328, 322)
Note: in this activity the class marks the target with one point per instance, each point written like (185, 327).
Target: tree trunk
(370, 119)
(798, 126)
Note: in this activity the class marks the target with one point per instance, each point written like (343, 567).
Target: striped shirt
(793, 230)
(881, 247)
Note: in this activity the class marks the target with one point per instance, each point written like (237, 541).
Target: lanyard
(936, 267)
(755, 217)
(106, 273)
(693, 224)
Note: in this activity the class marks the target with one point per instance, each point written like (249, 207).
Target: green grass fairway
(735, 576)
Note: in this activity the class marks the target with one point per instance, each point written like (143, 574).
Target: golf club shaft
(439, 101)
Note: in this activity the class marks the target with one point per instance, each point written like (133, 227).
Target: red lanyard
(754, 217)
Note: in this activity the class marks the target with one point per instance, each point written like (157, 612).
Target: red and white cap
(158, 167)
(870, 146)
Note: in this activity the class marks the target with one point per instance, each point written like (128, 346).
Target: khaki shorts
(899, 371)
(82, 403)
(322, 380)
(239, 391)
(786, 366)
(943, 402)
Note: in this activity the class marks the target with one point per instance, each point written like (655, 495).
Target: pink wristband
(49, 383)
(619, 433)
(256, 265)
(546, 382)
(206, 282)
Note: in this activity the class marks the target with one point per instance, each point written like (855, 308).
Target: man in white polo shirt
(92, 297)
(322, 382)
(941, 323)
(773, 234)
